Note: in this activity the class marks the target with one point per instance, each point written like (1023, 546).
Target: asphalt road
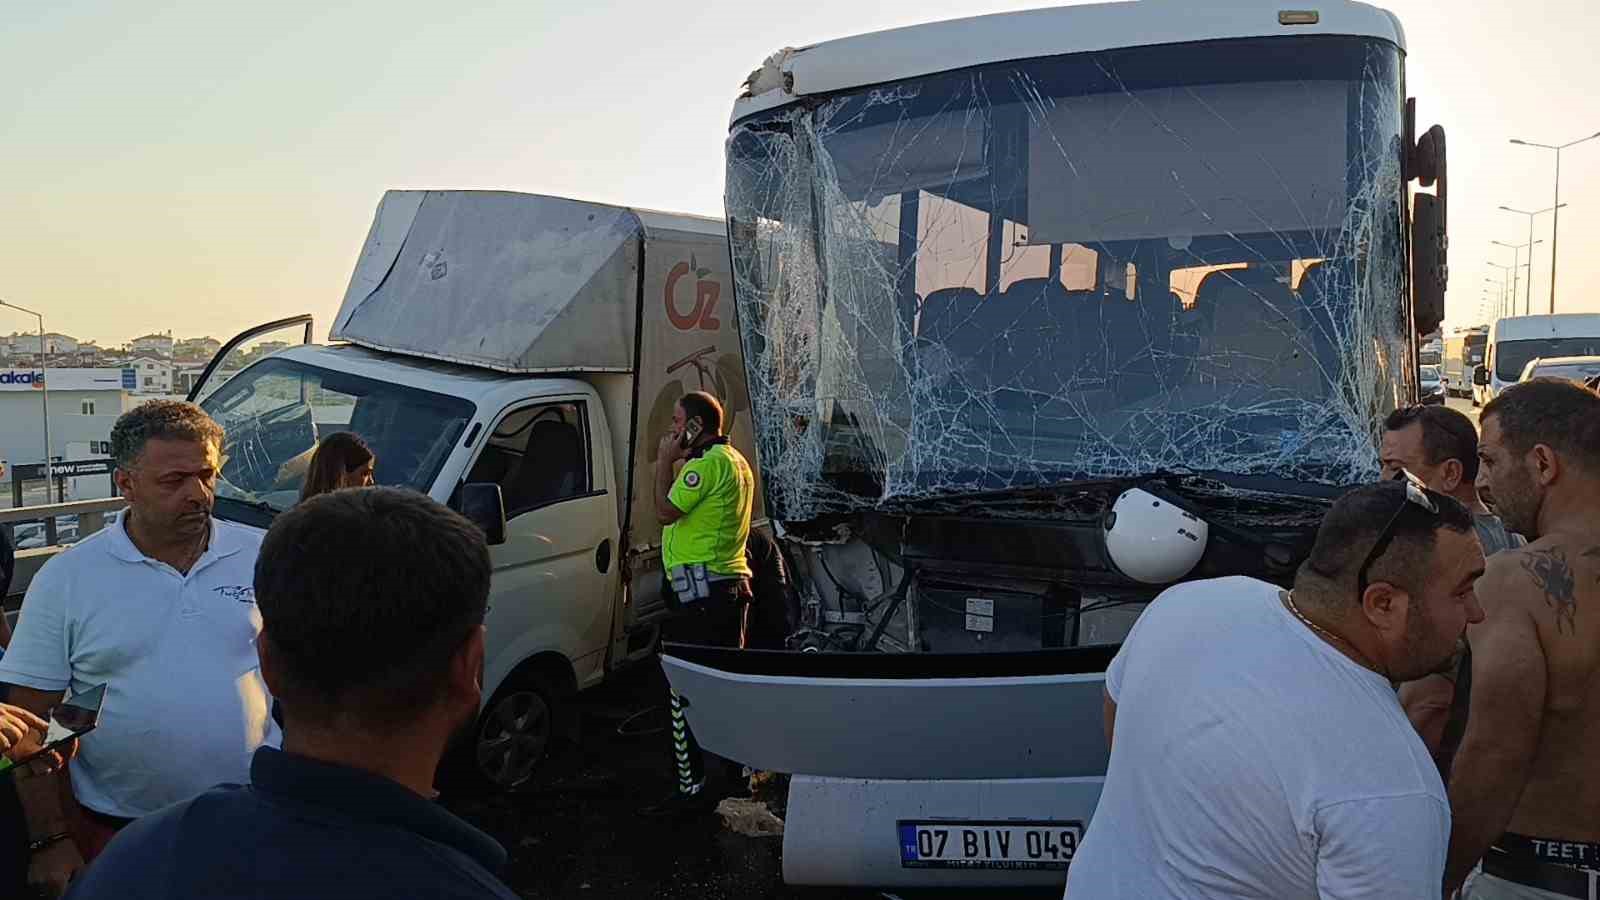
(1465, 406)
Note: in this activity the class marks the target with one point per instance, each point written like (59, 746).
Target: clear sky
(201, 166)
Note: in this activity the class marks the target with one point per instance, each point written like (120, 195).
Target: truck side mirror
(1429, 226)
(1480, 376)
(484, 506)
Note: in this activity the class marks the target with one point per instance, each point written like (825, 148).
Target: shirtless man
(1525, 790)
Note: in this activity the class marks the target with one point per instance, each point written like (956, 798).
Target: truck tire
(510, 739)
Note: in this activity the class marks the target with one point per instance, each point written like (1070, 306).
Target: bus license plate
(988, 845)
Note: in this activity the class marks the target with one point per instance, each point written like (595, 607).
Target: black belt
(1569, 868)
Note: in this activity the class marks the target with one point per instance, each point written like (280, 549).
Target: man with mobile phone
(704, 508)
(159, 607)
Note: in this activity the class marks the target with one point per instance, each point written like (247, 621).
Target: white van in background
(1514, 342)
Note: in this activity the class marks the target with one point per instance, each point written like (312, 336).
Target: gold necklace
(1361, 660)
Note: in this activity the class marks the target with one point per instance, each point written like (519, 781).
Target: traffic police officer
(704, 509)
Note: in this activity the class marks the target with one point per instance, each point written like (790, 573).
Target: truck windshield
(273, 413)
(1176, 258)
(1511, 357)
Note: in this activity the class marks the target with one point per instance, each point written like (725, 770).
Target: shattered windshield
(273, 413)
(1162, 259)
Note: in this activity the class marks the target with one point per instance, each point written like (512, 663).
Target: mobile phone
(72, 718)
(691, 432)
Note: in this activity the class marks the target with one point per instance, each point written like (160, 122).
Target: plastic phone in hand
(691, 433)
(70, 719)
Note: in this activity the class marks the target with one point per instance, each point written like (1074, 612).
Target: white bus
(991, 274)
(1515, 342)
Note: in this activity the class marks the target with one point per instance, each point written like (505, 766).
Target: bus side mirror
(1430, 243)
(1429, 233)
(1428, 267)
(1480, 376)
(484, 506)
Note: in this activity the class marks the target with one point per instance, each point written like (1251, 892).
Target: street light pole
(44, 393)
(1555, 225)
(1528, 307)
(1501, 283)
(1516, 267)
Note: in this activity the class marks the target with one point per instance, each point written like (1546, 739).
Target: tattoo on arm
(1550, 572)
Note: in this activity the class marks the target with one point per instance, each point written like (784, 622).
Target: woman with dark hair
(342, 460)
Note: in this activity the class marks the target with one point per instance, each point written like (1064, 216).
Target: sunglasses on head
(1416, 494)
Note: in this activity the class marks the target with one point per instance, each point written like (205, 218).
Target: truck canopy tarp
(506, 281)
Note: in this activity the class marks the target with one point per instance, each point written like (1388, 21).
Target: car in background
(1518, 340)
(1430, 384)
(32, 535)
(1584, 369)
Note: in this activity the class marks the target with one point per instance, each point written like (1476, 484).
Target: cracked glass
(1163, 260)
(274, 412)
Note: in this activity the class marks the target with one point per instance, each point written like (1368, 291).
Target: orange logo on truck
(702, 315)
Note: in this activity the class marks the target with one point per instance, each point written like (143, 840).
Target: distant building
(198, 349)
(54, 342)
(153, 375)
(184, 377)
(152, 345)
(84, 404)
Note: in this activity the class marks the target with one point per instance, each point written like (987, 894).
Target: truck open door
(218, 370)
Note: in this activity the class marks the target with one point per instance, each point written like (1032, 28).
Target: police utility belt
(692, 583)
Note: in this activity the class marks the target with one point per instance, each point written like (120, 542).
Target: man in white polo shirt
(159, 607)
(1257, 747)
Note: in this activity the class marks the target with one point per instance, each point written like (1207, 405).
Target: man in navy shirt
(372, 604)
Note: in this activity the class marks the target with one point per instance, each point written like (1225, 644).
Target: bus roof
(900, 53)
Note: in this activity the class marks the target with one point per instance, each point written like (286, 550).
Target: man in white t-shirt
(159, 607)
(1257, 746)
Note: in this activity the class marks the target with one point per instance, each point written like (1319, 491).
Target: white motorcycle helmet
(1152, 541)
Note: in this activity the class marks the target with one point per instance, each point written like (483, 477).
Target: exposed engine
(1020, 573)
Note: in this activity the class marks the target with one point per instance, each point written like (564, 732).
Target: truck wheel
(512, 736)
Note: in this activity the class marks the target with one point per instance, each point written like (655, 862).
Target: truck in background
(1463, 352)
(1023, 296)
(1515, 341)
(1431, 353)
(518, 357)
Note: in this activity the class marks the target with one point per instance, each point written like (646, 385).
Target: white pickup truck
(518, 357)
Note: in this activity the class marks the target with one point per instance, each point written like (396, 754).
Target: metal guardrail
(91, 516)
